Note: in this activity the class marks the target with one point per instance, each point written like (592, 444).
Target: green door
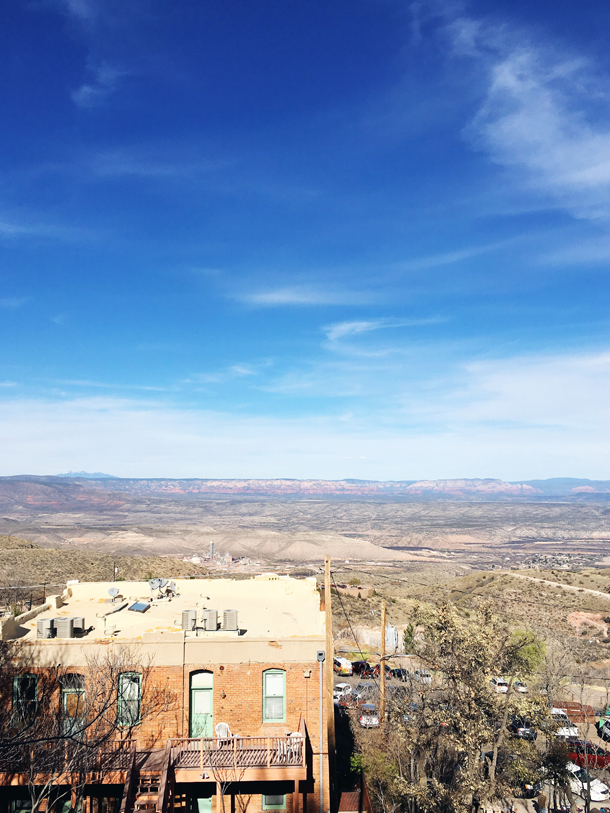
(202, 705)
(200, 805)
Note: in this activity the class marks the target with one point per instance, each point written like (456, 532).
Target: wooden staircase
(147, 790)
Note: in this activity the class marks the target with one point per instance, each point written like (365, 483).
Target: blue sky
(327, 239)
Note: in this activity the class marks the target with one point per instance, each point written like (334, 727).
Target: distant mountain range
(88, 475)
(79, 488)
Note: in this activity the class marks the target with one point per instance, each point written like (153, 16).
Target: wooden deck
(240, 759)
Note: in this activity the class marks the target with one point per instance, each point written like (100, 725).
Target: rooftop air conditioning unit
(229, 620)
(44, 628)
(210, 620)
(64, 627)
(79, 624)
(189, 619)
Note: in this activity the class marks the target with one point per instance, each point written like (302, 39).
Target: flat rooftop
(268, 606)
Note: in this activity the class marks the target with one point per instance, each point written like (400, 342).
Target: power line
(571, 677)
(465, 592)
(352, 629)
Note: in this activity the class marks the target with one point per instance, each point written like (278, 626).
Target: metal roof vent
(79, 623)
(229, 620)
(210, 619)
(189, 619)
(64, 627)
(44, 628)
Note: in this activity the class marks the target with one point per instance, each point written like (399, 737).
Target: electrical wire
(464, 592)
(368, 573)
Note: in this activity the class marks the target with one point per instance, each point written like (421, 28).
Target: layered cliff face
(54, 494)
(403, 489)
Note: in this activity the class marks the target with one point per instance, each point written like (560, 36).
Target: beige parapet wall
(12, 627)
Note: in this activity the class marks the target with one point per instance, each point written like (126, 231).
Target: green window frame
(274, 696)
(73, 704)
(25, 699)
(274, 801)
(129, 698)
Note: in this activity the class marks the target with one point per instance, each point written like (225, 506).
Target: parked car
(362, 668)
(422, 676)
(586, 754)
(520, 686)
(500, 685)
(564, 727)
(603, 730)
(411, 711)
(522, 729)
(341, 690)
(400, 674)
(582, 783)
(342, 666)
(369, 718)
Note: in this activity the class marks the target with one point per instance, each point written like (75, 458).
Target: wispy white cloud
(145, 162)
(8, 383)
(564, 390)
(105, 385)
(83, 10)
(104, 83)
(221, 376)
(13, 302)
(303, 295)
(545, 116)
(593, 251)
(501, 437)
(342, 330)
(447, 258)
(10, 229)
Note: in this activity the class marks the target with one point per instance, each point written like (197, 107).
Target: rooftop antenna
(113, 593)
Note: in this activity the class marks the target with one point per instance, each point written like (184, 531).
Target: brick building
(238, 661)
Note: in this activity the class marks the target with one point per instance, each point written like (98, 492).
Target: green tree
(445, 748)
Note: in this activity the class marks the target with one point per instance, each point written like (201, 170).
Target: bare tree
(58, 725)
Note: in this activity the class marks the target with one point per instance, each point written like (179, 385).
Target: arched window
(274, 696)
(129, 698)
(72, 702)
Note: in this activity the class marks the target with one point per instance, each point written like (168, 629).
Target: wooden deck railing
(238, 753)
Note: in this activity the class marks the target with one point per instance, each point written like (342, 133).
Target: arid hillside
(64, 513)
(26, 566)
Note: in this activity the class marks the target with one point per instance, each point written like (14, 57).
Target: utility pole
(382, 667)
(330, 703)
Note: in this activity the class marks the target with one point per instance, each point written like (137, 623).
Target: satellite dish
(154, 583)
(113, 592)
(172, 586)
(162, 582)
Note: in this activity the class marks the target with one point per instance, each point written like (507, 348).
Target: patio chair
(223, 734)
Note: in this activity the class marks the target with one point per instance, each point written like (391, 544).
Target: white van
(566, 726)
(342, 666)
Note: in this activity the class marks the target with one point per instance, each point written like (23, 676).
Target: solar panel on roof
(140, 606)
